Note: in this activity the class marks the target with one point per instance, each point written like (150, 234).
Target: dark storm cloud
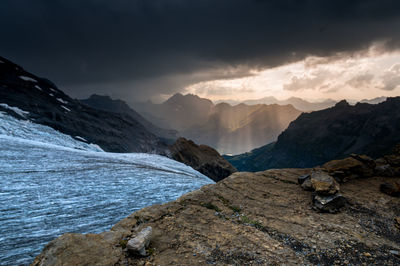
(144, 47)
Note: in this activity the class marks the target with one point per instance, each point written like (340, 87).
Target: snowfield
(28, 79)
(15, 110)
(51, 183)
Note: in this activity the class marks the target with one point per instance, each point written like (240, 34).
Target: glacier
(51, 183)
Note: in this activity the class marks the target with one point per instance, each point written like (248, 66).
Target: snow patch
(52, 90)
(96, 147)
(28, 132)
(51, 94)
(80, 138)
(27, 78)
(37, 87)
(14, 109)
(62, 101)
(65, 108)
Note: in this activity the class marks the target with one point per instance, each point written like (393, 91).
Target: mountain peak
(179, 98)
(342, 103)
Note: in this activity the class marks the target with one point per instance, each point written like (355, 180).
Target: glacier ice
(16, 110)
(51, 183)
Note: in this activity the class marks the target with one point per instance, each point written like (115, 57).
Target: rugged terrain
(47, 105)
(257, 219)
(316, 137)
(111, 124)
(229, 129)
(202, 158)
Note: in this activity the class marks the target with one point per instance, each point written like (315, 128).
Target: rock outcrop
(326, 195)
(140, 242)
(262, 218)
(202, 158)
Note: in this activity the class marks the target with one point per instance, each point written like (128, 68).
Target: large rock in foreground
(202, 158)
(248, 219)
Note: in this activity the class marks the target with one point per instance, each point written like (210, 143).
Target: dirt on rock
(249, 219)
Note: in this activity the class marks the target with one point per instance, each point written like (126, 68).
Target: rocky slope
(111, 124)
(229, 129)
(317, 137)
(254, 219)
(119, 106)
(202, 158)
(179, 112)
(46, 104)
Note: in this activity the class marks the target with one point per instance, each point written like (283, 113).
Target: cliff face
(249, 219)
(202, 158)
(317, 137)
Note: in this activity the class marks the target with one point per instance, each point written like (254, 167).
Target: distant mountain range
(298, 103)
(229, 129)
(317, 137)
(301, 104)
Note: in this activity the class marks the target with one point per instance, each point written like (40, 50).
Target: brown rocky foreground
(249, 219)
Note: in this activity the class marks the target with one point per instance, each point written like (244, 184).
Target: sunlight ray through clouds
(367, 74)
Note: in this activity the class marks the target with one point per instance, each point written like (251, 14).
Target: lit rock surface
(138, 244)
(323, 183)
(249, 219)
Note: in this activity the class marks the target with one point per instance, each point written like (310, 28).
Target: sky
(220, 49)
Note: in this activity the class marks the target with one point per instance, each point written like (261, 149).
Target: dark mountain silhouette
(229, 129)
(317, 137)
(46, 104)
(119, 106)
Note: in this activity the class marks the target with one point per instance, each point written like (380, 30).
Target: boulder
(393, 159)
(391, 189)
(138, 244)
(323, 183)
(307, 185)
(368, 161)
(352, 167)
(330, 203)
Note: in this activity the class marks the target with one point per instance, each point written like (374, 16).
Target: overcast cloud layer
(142, 48)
